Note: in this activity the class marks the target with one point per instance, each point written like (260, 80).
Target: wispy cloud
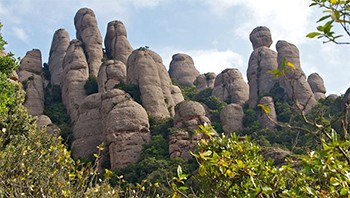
(20, 33)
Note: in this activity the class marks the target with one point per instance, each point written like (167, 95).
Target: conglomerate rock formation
(112, 117)
(145, 68)
(182, 69)
(317, 85)
(116, 42)
(30, 74)
(261, 61)
(59, 46)
(188, 115)
(230, 87)
(125, 128)
(87, 31)
(204, 81)
(294, 83)
(74, 76)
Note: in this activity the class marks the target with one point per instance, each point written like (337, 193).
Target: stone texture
(145, 69)
(301, 88)
(74, 76)
(317, 86)
(45, 121)
(87, 31)
(176, 94)
(260, 81)
(182, 139)
(260, 36)
(204, 81)
(59, 46)
(125, 128)
(112, 72)
(268, 120)
(230, 87)
(231, 118)
(182, 69)
(116, 42)
(332, 96)
(29, 74)
(88, 130)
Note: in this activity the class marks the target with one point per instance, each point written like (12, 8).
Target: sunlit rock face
(294, 83)
(182, 70)
(88, 33)
(116, 42)
(230, 87)
(59, 46)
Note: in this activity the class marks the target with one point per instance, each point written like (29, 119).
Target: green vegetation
(230, 166)
(57, 112)
(132, 90)
(91, 85)
(334, 12)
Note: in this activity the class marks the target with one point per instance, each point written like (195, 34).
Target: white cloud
(20, 33)
(212, 60)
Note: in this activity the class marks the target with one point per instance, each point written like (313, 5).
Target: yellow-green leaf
(265, 108)
(201, 170)
(290, 64)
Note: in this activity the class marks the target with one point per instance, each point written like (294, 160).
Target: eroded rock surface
(125, 128)
(182, 69)
(231, 118)
(260, 80)
(30, 75)
(268, 119)
(230, 87)
(145, 69)
(74, 76)
(260, 36)
(59, 46)
(299, 88)
(317, 86)
(87, 130)
(182, 139)
(204, 81)
(116, 42)
(112, 72)
(87, 31)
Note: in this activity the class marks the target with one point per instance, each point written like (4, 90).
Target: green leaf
(313, 34)
(201, 170)
(265, 108)
(323, 18)
(179, 171)
(275, 72)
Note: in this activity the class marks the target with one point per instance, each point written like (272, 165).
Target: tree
(335, 12)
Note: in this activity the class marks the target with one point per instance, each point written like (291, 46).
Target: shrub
(91, 86)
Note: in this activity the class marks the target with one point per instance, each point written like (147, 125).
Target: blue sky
(214, 32)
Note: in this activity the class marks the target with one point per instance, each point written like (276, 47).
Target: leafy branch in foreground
(335, 12)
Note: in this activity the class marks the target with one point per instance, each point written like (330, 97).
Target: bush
(91, 85)
(132, 90)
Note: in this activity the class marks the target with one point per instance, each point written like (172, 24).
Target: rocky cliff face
(261, 61)
(116, 42)
(74, 76)
(188, 115)
(182, 69)
(59, 46)
(111, 116)
(30, 74)
(145, 68)
(230, 87)
(88, 33)
(295, 83)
